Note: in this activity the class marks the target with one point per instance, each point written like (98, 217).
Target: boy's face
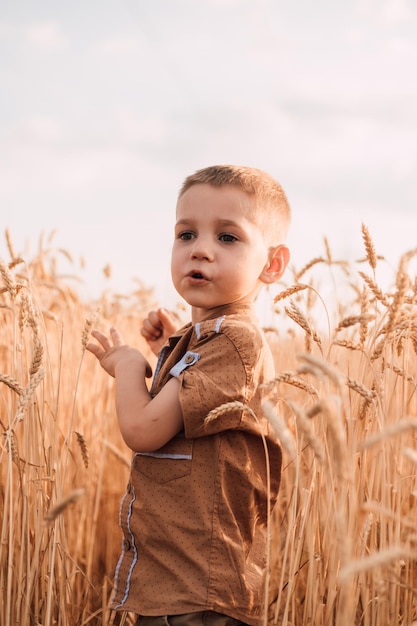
(218, 254)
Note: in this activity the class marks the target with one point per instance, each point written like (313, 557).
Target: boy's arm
(145, 423)
(157, 327)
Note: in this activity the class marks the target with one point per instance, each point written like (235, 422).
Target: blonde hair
(271, 208)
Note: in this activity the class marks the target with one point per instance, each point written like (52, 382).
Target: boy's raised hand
(112, 351)
(157, 327)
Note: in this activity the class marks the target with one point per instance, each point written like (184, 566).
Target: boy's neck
(198, 315)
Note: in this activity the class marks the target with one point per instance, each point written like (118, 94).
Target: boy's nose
(202, 250)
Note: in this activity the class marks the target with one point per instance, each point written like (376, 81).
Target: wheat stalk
(281, 429)
(12, 383)
(402, 283)
(383, 557)
(225, 408)
(319, 367)
(369, 247)
(121, 457)
(60, 506)
(305, 426)
(366, 403)
(360, 389)
(290, 291)
(376, 290)
(298, 317)
(8, 279)
(393, 430)
(411, 454)
(308, 266)
(370, 518)
(400, 372)
(37, 357)
(83, 447)
(291, 378)
(27, 393)
(27, 312)
(351, 320)
(350, 345)
(10, 245)
(331, 408)
(364, 302)
(378, 350)
(329, 258)
(12, 445)
(88, 327)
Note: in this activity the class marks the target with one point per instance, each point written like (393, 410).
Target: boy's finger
(151, 330)
(95, 349)
(168, 320)
(102, 339)
(154, 320)
(116, 337)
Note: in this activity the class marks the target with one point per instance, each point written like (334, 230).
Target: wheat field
(343, 546)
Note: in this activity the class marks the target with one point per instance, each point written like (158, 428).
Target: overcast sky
(107, 105)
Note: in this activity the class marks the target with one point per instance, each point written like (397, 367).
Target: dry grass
(344, 541)
(60, 480)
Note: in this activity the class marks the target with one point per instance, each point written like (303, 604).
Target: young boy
(194, 515)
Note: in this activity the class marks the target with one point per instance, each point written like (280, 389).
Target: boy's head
(269, 207)
(229, 233)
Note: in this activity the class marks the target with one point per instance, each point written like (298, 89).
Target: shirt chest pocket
(169, 463)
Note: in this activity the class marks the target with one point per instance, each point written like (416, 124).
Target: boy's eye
(227, 238)
(186, 235)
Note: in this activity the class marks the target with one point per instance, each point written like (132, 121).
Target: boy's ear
(279, 258)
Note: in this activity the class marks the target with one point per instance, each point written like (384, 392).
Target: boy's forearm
(145, 423)
(132, 397)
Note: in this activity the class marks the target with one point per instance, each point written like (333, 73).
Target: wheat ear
(60, 506)
(27, 393)
(297, 316)
(369, 247)
(83, 447)
(309, 265)
(88, 327)
(305, 426)
(383, 557)
(12, 383)
(351, 320)
(290, 291)
(8, 279)
(37, 357)
(281, 429)
(291, 378)
(376, 290)
(403, 426)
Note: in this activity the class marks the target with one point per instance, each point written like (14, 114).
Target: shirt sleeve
(220, 375)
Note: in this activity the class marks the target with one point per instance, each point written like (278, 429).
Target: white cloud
(395, 11)
(47, 169)
(117, 46)
(389, 12)
(47, 35)
(42, 129)
(131, 128)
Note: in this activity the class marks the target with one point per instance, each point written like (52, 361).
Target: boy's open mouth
(197, 275)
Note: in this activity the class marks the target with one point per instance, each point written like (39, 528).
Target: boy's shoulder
(239, 328)
(239, 335)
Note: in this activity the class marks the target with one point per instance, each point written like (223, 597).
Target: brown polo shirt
(194, 513)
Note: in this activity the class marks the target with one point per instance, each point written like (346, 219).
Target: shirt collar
(234, 308)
